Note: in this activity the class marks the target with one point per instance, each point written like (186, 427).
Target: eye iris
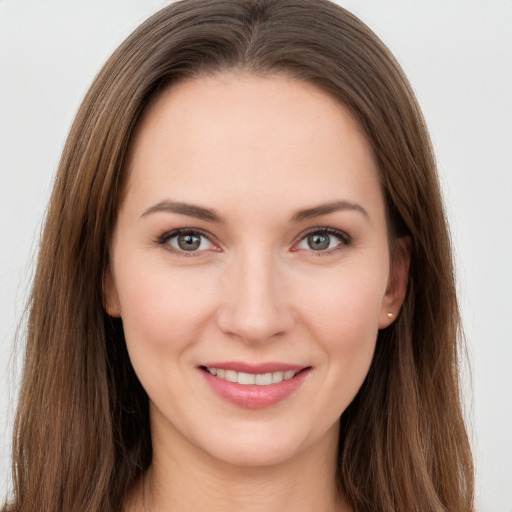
(319, 241)
(189, 242)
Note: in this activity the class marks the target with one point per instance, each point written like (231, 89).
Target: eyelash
(164, 239)
(344, 239)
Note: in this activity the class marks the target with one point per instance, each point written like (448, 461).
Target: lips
(254, 386)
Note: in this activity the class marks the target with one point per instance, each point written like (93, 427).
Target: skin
(255, 151)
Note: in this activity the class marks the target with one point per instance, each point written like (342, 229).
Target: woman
(245, 293)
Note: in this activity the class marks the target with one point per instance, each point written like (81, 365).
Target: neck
(182, 482)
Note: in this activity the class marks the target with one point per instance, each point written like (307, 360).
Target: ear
(397, 282)
(110, 297)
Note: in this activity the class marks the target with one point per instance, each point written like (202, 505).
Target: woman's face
(250, 266)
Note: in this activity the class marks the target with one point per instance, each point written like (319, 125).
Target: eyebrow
(199, 212)
(190, 210)
(325, 209)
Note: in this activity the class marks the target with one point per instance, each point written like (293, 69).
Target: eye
(323, 240)
(187, 241)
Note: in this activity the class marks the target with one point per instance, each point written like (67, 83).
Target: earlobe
(110, 297)
(397, 283)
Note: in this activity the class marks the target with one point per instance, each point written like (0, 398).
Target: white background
(458, 56)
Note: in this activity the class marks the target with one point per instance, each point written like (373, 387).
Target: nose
(256, 305)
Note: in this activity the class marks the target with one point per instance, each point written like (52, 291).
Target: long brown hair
(82, 427)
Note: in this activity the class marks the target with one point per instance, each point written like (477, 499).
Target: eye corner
(204, 242)
(327, 234)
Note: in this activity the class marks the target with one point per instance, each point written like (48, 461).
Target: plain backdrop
(458, 56)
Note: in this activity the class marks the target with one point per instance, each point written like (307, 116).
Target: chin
(260, 448)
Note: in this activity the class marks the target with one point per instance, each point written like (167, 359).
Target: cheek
(163, 312)
(163, 307)
(343, 319)
(348, 304)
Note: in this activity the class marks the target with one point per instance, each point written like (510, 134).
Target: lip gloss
(253, 396)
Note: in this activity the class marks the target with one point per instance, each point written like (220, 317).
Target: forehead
(237, 134)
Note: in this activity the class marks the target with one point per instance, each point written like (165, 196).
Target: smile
(254, 386)
(246, 379)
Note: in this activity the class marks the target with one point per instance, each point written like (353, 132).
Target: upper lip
(259, 368)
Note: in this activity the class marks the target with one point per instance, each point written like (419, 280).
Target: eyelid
(165, 237)
(344, 238)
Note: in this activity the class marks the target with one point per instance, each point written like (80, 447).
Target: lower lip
(253, 396)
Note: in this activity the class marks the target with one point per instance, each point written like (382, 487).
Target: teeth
(231, 376)
(246, 378)
(263, 379)
(277, 377)
(260, 379)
